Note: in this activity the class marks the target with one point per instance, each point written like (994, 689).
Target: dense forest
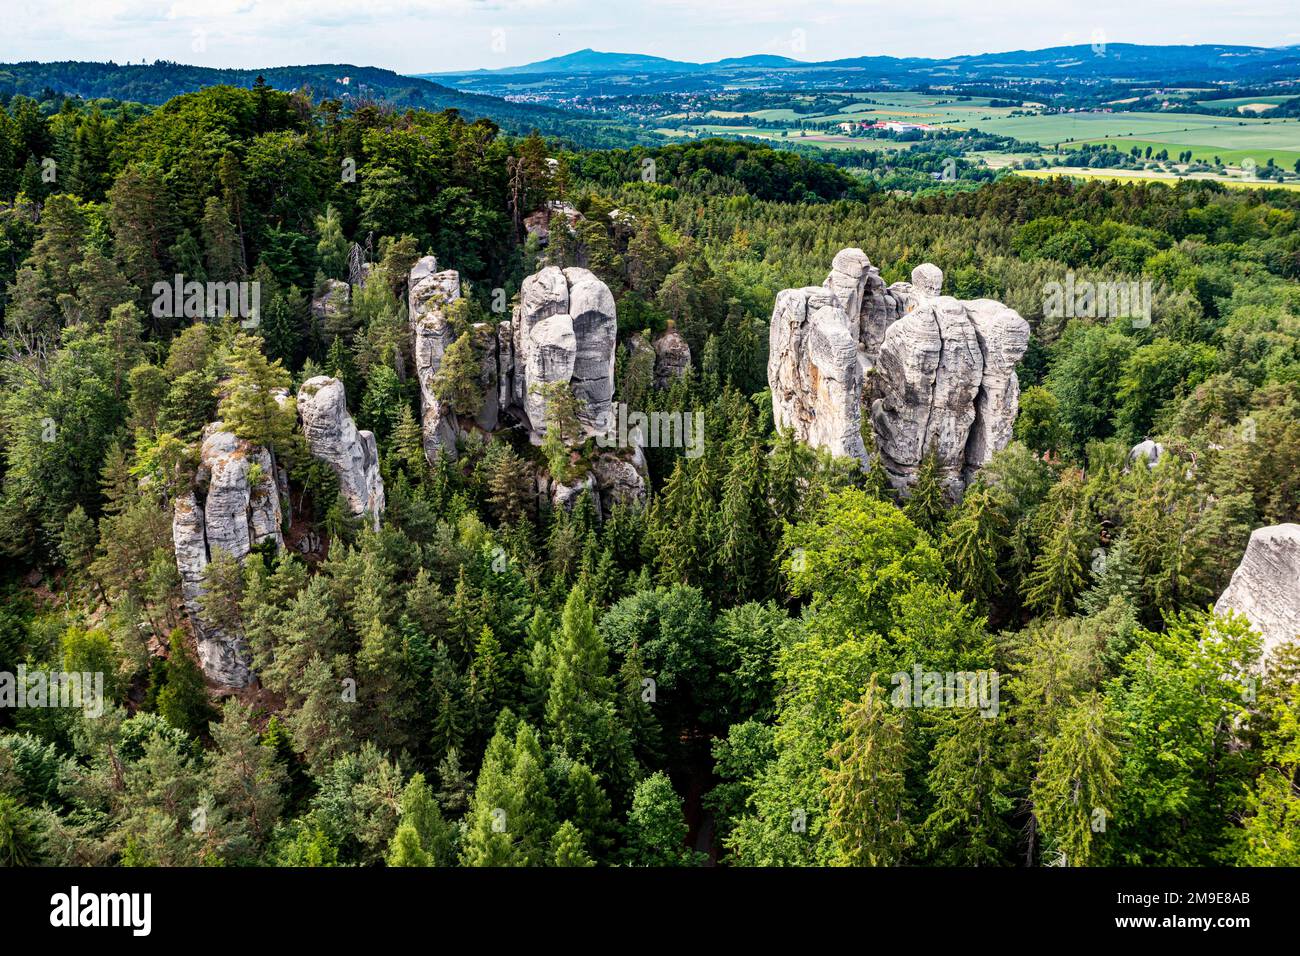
(486, 680)
(352, 86)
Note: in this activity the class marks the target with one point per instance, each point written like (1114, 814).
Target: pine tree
(187, 255)
(423, 838)
(456, 383)
(245, 776)
(405, 849)
(973, 541)
(21, 839)
(407, 446)
(741, 550)
(579, 682)
(254, 407)
(221, 251)
(1116, 574)
(332, 248)
(510, 821)
(589, 809)
(790, 468)
(510, 484)
(322, 726)
(280, 331)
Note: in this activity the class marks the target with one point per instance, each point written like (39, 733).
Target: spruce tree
(971, 789)
(1074, 789)
(183, 700)
(567, 847)
(927, 504)
(865, 784)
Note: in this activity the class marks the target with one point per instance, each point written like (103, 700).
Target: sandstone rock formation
(333, 437)
(615, 478)
(430, 293)
(813, 371)
(620, 478)
(672, 358)
(234, 506)
(1265, 588)
(332, 303)
(563, 330)
(941, 370)
(538, 223)
(1149, 451)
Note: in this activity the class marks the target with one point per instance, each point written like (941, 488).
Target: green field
(1125, 175)
(1240, 101)
(1229, 140)
(1231, 157)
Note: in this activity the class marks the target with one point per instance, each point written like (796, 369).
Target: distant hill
(157, 82)
(1100, 61)
(593, 61)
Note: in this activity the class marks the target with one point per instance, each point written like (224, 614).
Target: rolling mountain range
(587, 70)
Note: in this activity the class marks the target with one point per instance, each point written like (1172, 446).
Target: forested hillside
(490, 679)
(156, 83)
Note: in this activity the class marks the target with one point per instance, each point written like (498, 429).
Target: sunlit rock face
(564, 329)
(332, 436)
(941, 370)
(1265, 588)
(234, 506)
(430, 293)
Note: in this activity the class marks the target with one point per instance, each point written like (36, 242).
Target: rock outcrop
(941, 370)
(234, 506)
(1149, 451)
(538, 223)
(813, 371)
(333, 437)
(615, 478)
(332, 304)
(430, 293)
(563, 331)
(620, 478)
(1265, 588)
(672, 358)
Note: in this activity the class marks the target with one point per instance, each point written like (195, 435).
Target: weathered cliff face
(234, 506)
(672, 357)
(333, 437)
(929, 370)
(942, 370)
(1265, 588)
(332, 304)
(563, 330)
(1003, 338)
(430, 292)
(814, 373)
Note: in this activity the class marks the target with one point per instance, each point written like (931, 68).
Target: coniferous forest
(489, 675)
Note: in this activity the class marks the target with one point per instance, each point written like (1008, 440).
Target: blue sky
(416, 36)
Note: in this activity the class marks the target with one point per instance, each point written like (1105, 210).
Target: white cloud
(436, 35)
